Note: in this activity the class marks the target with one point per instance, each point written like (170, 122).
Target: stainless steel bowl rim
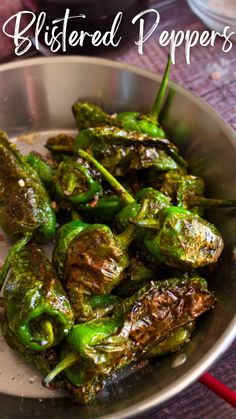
(229, 334)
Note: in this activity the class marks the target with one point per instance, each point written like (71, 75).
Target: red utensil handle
(218, 388)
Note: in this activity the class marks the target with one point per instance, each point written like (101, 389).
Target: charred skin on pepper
(24, 204)
(37, 308)
(140, 323)
(121, 151)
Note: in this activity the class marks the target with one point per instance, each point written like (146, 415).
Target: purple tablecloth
(211, 75)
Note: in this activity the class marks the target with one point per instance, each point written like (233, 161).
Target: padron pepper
(88, 115)
(184, 239)
(187, 191)
(122, 151)
(37, 308)
(105, 208)
(95, 263)
(172, 343)
(98, 348)
(155, 199)
(24, 203)
(85, 306)
(74, 183)
(64, 237)
(44, 170)
(61, 144)
(44, 361)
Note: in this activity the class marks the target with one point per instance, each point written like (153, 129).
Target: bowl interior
(36, 96)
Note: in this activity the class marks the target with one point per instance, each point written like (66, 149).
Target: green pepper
(95, 263)
(75, 183)
(24, 203)
(88, 115)
(91, 261)
(44, 170)
(105, 208)
(37, 308)
(98, 348)
(64, 237)
(156, 201)
(44, 361)
(173, 342)
(121, 151)
(183, 240)
(187, 191)
(136, 275)
(61, 144)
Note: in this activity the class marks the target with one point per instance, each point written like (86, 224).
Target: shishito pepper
(44, 361)
(92, 260)
(187, 191)
(88, 115)
(155, 199)
(173, 342)
(37, 308)
(104, 209)
(64, 237)
(24, 203)
(74, 183)
(121, 151)
(95, 263)
(98, 348)
(182, 239)
(61, 144)
(44, 170)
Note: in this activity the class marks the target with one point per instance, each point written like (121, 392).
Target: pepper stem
(200, 201)
(10, 257)
(67, 362)
(118, 188)
(166, 107)
(127, 236)
(155, 111)
(148, 223)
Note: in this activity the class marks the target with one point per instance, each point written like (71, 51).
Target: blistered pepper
(187, 191)
(44, 170)
(122, 151)
(182, 239)
(37, 308)
(89, 115)
(104, 208)
(95, 350)
(61, 144)
(44, 361)
(74, 183)
(24, 203)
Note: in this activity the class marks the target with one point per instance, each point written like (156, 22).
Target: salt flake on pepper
(21, 183)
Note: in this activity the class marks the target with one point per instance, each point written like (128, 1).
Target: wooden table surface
(211, 75)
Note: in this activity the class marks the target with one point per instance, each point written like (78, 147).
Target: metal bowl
(36, 96)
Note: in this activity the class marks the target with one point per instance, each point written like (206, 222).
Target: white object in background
(216, 14)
